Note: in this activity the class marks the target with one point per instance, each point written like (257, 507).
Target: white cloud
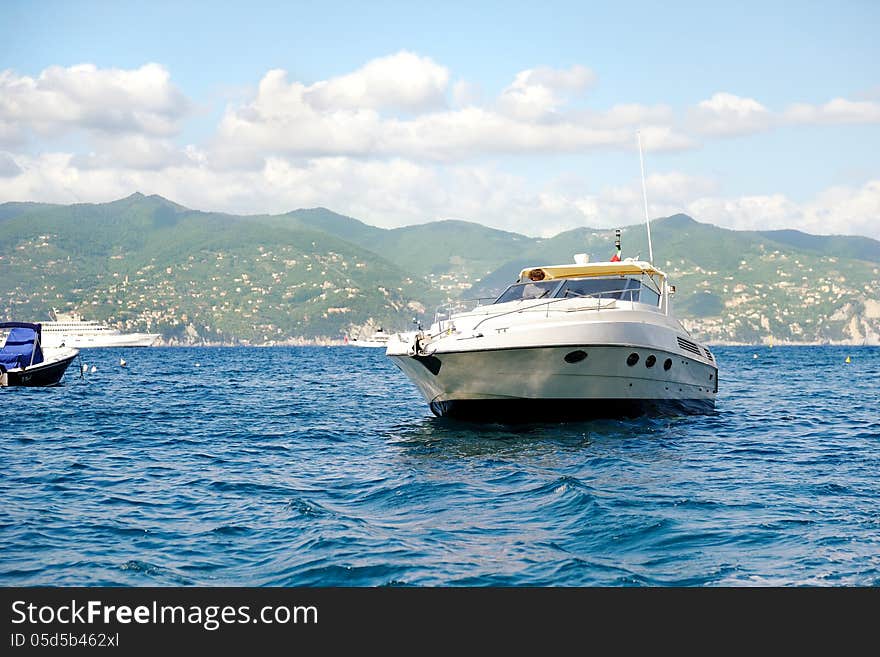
(387, 193)
(281, 120)
(573, 204)
(839, 210)
(398, 192)
(725, 114)
(8, 166)
(535, 93)
(575, 79)
(838, 110)
(634, 114)
(466, 93)
(400, 81)
(11, 134)
(132, 152)
(284, 120)
(657, 138)
(760, 212)
(394, 142)
(84, 97)
(677, 187)
(845, 210)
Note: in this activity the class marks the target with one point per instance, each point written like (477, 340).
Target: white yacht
(570, 340)
(71, 330)
(594, 339)
(378, 338)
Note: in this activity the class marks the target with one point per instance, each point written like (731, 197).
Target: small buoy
(754, 355)
(847, 360)
(94, 369)
(198, 364)
(84, 368)
(122, 362)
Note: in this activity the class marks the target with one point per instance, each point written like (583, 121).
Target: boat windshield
(625, 289)
(530, 290)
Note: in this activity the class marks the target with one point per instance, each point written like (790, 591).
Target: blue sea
(322, 466)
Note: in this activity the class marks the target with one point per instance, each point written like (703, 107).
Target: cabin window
(604, 288)
(526, 291)
(624, 289)
(648, 296)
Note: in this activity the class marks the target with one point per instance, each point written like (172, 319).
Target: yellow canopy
(627, 267)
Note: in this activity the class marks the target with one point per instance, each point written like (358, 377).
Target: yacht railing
(605, 299)
(544, 306)
(445, 311)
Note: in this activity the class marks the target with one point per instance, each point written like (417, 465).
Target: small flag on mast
(616, 256)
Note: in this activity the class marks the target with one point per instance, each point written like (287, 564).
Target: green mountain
(466, 249)
(146, 263)
(838, 246)
(14, 209)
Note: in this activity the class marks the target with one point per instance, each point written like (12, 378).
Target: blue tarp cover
(20, 345)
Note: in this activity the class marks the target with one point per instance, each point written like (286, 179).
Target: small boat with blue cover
(24, 362)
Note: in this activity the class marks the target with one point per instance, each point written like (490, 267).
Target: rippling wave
(323, 467)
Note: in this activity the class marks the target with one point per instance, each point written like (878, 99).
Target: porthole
(650, 360)
(633, 359)
(575, 356)
(667, 364)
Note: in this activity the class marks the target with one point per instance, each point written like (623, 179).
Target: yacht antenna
(645, 197)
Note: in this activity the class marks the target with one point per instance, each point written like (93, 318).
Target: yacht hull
(589, 380)
(535, 410)
(381, 344)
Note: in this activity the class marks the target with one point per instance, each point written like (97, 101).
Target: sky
(521, 116)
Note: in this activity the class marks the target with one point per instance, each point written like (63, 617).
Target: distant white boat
(71, 330)
(377, 339)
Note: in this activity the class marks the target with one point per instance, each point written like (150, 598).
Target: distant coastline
(832, 343)
(297, 342)
(210, 278)
(341, 343)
